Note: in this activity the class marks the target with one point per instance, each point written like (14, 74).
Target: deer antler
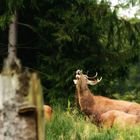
(93, 76)
(98, 80)
(90, 80)
(94, 82)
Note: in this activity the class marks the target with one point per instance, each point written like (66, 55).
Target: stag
(94, 106)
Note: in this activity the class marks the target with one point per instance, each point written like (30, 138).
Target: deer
(47, 112)
(118, 118)
(94, 106)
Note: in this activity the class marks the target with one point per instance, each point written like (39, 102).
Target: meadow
(70, 124)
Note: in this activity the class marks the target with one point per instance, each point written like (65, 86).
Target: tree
(128, 9)
(73, 35)
(83, 35)
(12, 63)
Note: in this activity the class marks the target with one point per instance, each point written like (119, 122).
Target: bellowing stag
(94, 106)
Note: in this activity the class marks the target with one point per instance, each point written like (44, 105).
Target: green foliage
(11, 5)
(132, 96)
(83, 35)
(129, 89)
(66, 126)
(4, 21)
(8, 7)
(72, 126)
(73, 35)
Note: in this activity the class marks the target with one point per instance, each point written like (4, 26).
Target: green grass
(67, 125)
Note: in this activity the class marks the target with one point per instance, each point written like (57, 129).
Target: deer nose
(77, 76)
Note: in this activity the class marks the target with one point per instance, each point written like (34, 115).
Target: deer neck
(82, 89)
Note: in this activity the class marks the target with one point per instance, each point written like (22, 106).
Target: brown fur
(94, 106)
(47, 112)
(119, 119)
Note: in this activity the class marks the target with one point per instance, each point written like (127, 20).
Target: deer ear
(75, 81)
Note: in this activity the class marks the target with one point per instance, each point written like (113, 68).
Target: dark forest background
(55, 38)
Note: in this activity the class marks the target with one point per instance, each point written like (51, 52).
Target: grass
(70, 125)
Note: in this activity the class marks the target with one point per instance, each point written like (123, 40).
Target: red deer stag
(47, 112)
(119, 119)
(94, 106)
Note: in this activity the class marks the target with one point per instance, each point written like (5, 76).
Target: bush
(132, 96)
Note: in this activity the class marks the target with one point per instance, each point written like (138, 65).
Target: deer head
(89, 80)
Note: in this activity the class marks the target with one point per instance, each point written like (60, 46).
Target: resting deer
(47, 112)
(119, 119)
(94, 106)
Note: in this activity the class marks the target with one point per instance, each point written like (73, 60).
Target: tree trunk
(21, 105)
(12, 62)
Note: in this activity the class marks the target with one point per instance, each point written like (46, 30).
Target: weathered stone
(13, 124)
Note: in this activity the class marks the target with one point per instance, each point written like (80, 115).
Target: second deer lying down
(94, 106)
(119, 119)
